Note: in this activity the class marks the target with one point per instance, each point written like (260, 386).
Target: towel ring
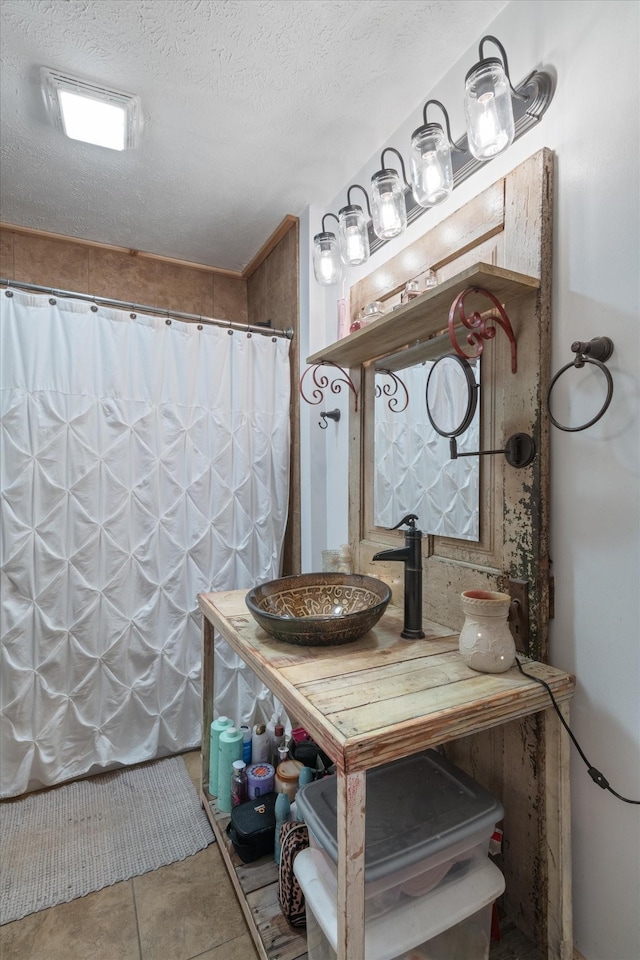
(596, 352)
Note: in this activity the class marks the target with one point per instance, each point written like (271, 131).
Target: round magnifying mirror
(451, 395)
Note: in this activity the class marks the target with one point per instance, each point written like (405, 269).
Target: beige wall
(69, 265)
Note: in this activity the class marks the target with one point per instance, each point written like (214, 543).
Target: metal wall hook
(328, 415)
(596, 352)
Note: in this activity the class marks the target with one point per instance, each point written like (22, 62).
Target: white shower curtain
(142, 463)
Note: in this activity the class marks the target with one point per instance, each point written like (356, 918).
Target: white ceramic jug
(485, 641)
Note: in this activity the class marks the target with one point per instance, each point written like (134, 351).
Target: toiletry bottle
(343, 318)
(271, 733)
(260, 744)
(286, 779)
(229, 749)
(246, 743)
(282, 811)
(238, 783)
(222, 723)
(278, 741)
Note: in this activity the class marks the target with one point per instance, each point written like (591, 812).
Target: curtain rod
(155, 311)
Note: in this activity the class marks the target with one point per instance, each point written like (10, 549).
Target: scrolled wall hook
(328, 415)
(596, 352)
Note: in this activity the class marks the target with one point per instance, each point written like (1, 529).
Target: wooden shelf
(424, 317)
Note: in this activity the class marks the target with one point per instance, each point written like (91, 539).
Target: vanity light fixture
(431, 168)
(326, 255)
(85, 111)
(387, 199)
(487, 104)
(352, 230)
(496, 115)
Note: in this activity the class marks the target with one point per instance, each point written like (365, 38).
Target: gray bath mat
(71, 840)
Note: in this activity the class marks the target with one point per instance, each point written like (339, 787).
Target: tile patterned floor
(185, 911)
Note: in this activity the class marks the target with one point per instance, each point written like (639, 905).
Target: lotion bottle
(260, 744)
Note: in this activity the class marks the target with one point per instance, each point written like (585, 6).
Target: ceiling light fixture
(496, 115)
(85, 111)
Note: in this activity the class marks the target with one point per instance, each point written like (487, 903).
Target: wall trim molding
(281, 230)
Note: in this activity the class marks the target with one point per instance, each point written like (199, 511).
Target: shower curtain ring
(248, 331)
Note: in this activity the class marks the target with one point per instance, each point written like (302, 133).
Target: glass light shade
(431, 169)
(388, 207)
(326, 259)
(488, 109)
(353, 235)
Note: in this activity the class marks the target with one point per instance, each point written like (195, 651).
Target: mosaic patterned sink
(319, 609)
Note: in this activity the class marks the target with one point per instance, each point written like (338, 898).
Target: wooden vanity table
(367, 703)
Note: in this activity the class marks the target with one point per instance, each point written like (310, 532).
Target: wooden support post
(207, 700)
(558, 832)
(351, 822)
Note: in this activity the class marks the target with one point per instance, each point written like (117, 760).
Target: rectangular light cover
(85, 111)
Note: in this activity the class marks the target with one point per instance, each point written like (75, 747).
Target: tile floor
(185, 911)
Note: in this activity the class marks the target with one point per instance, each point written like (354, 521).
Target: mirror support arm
(519, 450)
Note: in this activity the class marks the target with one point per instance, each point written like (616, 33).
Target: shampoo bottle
(216, 729)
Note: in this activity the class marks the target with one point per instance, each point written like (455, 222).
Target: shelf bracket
(321, 382)
(396, 404)
(482, 327)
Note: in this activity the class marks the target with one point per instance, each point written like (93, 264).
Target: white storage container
(453, 922)
(426, 821)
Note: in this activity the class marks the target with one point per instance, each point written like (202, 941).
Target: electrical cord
(595, 774)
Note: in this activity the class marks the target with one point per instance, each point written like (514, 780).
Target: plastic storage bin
(424, 818)
(453, 922)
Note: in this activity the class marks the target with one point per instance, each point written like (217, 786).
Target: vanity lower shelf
(256, 888)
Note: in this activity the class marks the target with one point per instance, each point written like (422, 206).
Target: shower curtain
(142, 463)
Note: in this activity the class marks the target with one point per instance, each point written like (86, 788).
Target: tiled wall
(68, 265)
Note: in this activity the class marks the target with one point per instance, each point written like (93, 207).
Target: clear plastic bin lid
(416, 807)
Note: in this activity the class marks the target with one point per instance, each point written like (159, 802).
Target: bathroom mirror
(451, 395)
(414, 472)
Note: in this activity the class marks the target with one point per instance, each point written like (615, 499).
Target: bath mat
(69, 841)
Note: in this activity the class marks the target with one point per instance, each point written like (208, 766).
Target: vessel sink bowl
(319, 609)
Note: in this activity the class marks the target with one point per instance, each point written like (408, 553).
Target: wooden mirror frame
(508, 225)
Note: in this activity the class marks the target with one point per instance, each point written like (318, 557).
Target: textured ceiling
(252, 109)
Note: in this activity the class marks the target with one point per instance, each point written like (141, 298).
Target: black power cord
(595, 774)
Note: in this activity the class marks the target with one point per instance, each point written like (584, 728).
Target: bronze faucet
(411, 556)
